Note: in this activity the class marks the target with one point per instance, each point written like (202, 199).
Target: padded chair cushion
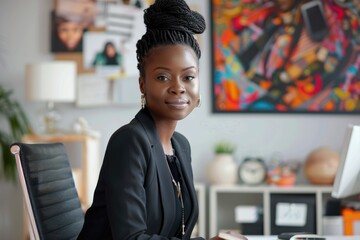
(53, 196)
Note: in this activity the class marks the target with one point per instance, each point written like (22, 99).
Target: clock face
(252, 171)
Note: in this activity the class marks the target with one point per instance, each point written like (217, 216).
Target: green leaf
(224, 147)
(18, 125)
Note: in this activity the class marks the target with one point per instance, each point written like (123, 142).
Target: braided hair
(169, 22)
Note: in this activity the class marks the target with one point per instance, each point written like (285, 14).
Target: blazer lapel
(166, 189)
(163, 175)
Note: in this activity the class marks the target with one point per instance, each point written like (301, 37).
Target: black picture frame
(308, 199)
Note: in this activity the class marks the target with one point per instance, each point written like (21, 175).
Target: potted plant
(223, 168)
(224, 147)
(12, 116)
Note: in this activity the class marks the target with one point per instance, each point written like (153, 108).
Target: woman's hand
(229, 235)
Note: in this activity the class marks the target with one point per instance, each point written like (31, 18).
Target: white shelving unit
(224, 198)
(200, 189)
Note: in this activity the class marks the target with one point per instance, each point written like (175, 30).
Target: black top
(176, 172)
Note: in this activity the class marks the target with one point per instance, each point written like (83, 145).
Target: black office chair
(50, 195)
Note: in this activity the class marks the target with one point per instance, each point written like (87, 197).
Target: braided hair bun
(173, 15)
(169, 22)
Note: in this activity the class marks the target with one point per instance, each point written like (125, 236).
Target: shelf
(224, 198)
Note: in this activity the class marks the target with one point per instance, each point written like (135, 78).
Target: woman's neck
(165, 132)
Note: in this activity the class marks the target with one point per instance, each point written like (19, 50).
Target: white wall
(24, 38)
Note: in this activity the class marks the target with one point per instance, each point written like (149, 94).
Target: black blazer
(134, 196)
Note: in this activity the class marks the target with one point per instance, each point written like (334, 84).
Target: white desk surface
(327, 237)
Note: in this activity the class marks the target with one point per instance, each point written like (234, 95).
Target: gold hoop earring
(143, 101)
(199, 102)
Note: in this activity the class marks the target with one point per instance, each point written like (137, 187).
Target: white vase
(223, 169)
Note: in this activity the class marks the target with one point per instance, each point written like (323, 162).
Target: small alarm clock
(252, 171)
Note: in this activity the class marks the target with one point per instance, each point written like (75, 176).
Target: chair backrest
(49, 191)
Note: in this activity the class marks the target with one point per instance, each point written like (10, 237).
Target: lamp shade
(51, 81)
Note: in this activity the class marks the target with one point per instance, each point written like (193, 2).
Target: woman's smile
(177, 103)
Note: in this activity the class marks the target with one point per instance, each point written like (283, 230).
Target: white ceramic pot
(223, 169)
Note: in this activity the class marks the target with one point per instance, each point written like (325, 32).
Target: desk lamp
(51, 82)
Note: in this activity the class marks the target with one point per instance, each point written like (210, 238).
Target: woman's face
(70, 34)
(170, 82)
(110, 50)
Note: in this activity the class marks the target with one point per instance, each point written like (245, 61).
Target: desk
(327, 237)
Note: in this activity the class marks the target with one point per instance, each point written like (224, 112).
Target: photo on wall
(69, 20)
(103, 51)
(66, 35)
(294, 57)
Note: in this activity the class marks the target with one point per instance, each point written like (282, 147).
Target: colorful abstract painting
(286, 56)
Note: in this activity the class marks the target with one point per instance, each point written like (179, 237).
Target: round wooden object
(321, 165)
